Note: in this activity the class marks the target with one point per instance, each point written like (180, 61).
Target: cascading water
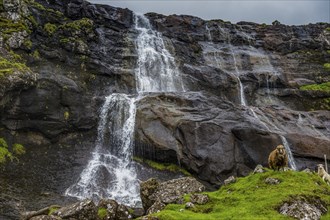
(156, 70)
(110, 173)
(266, 66)
(288, 150)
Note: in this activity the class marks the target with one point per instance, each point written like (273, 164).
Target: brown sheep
(323, 174)
(278, 158)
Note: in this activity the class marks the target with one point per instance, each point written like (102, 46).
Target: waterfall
(271, 127)
(288, 150)
(156, 70)
(208, 33)
(110, 172)
(285, 143)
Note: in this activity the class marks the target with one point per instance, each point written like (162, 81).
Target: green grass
(77, 25)
(251, 198)
(4, 152)
(9, 66)
(317, 87)
(102, 212)
(327, 66)
(162, 166)
(50, 28)
(18, 149)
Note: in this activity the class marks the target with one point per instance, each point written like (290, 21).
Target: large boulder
(84, 210)
(304, 207)
(156, 195)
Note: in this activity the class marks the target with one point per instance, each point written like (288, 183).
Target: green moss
(4, 152)
(102, 212)
(66, 115)
(327, 66)
(251, 198)
(66, 40)
(78, 25)
(3, 143)
(10, 66)
(37, 5)
(328, 29)
(317, 87)
(33, 21)
(18, 149)
(162, 166)
(27, 44)
(8, 26)
(52, 209)
(50, 28)
(1, 5)
(36, 54)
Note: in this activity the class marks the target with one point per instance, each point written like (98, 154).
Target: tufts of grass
(18, 149)
(77, 25)
(50, 28)
(327, 66)
(10, 66)
(162, 166)
(4, 152)
(251, 198)
(317, 87)
(102, 212)
(53, 209)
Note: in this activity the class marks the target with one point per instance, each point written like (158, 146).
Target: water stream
(266, 65)
(110, 173)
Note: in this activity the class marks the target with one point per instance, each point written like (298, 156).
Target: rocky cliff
(246, 87)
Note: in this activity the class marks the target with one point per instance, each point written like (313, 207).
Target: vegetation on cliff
(9, 66)
(162, 166)
(6, 154)
(252, 198)
(317, 87)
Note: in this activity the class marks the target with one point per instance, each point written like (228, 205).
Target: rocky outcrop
(155, 196)
(304, 207)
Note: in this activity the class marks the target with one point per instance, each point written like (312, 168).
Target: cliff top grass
(317, 87)
(251, 198)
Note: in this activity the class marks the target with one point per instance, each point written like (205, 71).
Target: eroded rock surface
(156, 195)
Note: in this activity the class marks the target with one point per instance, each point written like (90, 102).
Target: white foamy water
(156, 69)
(110, 172)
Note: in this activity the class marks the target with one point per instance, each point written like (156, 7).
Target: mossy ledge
(252, 198)
(162, 166)
(317, 87)
(8, 66)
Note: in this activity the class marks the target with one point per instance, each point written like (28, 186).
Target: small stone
(231, 179)
(272, 181)
(200, 199)
(259, 169)
(307, 170)
(189, 205)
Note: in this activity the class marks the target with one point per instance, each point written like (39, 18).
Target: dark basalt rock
(53, 109)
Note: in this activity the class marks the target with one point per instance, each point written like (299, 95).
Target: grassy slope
(251, 198)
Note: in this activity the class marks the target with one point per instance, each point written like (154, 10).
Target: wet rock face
(81, 52)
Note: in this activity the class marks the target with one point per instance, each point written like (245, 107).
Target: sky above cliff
(259, 11)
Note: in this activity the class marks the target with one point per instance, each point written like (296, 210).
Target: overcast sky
(259, 11)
